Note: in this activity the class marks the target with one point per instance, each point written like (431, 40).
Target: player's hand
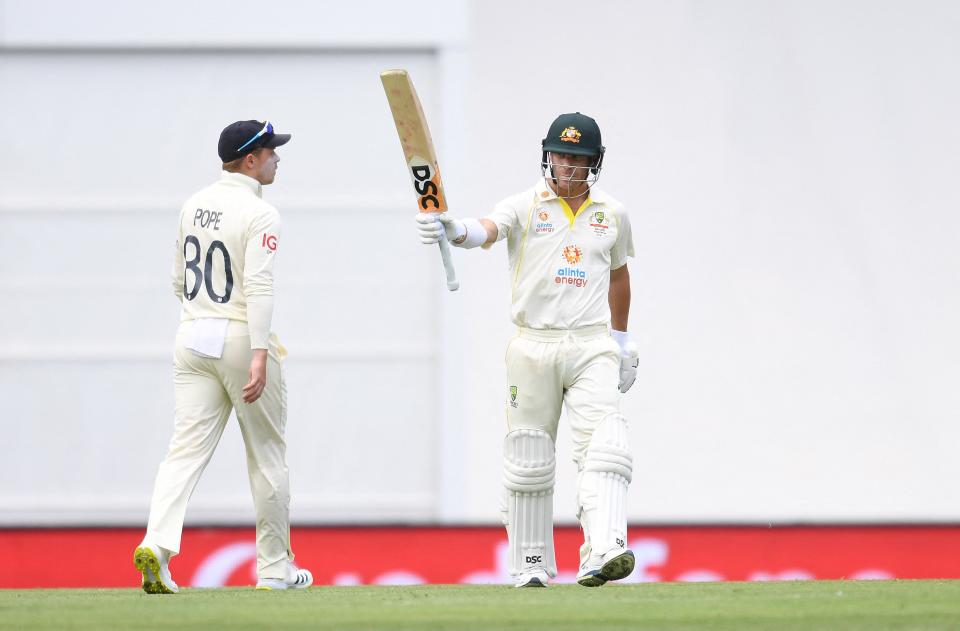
(434, 226)
(629, 359)
(258, 376)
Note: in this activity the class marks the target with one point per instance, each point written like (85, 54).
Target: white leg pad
(603, 481)
(529, 469)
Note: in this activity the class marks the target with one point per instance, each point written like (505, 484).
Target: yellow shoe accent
(149, 566)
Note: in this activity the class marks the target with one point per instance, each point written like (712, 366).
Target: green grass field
(847, 605)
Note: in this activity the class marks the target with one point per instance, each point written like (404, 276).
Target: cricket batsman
(568, 244)
(226, 359)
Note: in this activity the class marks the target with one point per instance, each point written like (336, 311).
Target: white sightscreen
(117, 139)
(790, 170)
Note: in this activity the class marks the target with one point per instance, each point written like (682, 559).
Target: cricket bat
(419, 154)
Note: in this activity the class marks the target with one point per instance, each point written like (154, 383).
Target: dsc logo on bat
(427, 184)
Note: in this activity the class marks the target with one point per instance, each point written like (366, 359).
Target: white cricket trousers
(549, 369)
(205, 391)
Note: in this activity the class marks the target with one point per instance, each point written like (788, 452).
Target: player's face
(571, 173)
(266, 165)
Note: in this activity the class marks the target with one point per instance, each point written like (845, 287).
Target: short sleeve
(505, 216)
(623, 246)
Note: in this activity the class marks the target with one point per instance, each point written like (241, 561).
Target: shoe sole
(149, 566)
(619, 567)
(592, 579)
(533, 582)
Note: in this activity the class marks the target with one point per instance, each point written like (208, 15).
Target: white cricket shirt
(226, 246)
(560, 259)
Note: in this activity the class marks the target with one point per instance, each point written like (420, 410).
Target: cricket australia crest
(570, 134)
(600, 222)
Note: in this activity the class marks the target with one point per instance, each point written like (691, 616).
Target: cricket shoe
(533, 578)
(301, 580)
(153, 565)
(613, 566)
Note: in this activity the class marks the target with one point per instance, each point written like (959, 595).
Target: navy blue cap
(243, 137)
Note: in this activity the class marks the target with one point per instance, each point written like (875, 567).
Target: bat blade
(418, 152)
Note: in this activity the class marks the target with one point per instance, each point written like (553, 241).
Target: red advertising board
(101, 557)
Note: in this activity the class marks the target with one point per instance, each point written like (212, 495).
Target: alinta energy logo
(571, 275)
(572, 254)
(543, 224)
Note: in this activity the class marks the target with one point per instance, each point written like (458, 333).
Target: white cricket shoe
(301, 580)
(533, 578)
(153, 565)
(612, 566)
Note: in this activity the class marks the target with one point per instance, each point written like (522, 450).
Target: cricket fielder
(226, 358)
(568, 244)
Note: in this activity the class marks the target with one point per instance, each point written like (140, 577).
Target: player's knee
(529, 461)
(609, 448)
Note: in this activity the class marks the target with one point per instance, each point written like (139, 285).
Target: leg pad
(529, 470)
(603, 482)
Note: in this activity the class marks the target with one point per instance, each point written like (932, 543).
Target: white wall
(789, 168)
(110, 124)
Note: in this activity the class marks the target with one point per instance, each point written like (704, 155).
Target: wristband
(620, 337)
(474, 234)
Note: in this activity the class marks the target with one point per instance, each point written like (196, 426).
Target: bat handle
(452, 283)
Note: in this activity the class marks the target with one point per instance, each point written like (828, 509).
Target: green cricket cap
(576, 134)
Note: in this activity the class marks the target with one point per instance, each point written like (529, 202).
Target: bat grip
(452, 283)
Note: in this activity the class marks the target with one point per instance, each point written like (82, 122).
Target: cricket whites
(419, 154)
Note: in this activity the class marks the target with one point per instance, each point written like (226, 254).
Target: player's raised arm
(463, 233)
(508, 215)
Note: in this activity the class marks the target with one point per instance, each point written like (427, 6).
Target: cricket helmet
(576, 134)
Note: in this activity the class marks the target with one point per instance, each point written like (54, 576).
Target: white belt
(555, 335)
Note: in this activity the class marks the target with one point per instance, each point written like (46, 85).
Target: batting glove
(434, 226)
(629, 359)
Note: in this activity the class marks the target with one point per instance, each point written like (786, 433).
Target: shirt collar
(597, 196)
(239, 179)
(545, 193)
